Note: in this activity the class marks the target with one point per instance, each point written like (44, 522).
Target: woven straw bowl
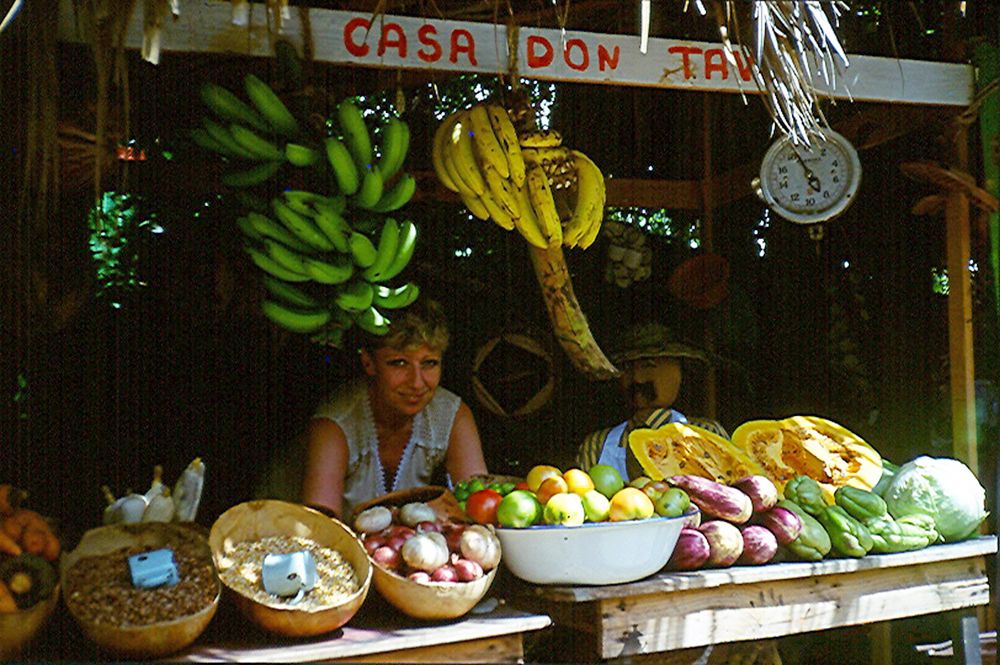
(432, 600)
(255, 520)
(157, 639)
(17, 629)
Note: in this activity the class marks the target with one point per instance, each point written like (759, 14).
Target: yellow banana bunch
(530, 182)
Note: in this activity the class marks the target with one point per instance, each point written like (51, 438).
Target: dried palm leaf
(795, 47)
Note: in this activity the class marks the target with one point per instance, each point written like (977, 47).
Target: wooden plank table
(377, 634)
(673, 611)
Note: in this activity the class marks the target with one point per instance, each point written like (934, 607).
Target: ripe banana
(342, 164)
(540, 139)
(437, 152)
(356, 136)
(497, 213)
(398, 195)
(475, 204)
(271, 267)
(284, 257)
(502, 191)
(372, 321)
(543, 205)
(404, 250)
(326, 272)
(355, 297)
(300, 155)
(288, 293)
(395, 144)
(507, 136)
(372, 186)
(265, 226)
(487, 146)
(260, 147)
(270, 106)
(590, 198)
(295, 319)
(301, 226)
(228, 106)
(547, 156)
(460, 152)
(401, 296)
(252, 176)
(388, 246)
(362, 250)
(527, 224)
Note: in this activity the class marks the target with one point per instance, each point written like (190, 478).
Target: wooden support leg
(965, 638)
(880, 635)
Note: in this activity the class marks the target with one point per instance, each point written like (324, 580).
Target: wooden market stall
(893, 96)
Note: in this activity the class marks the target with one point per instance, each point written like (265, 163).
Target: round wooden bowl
(433, 600)
(153, 640)
(255, 520)
(17, 629)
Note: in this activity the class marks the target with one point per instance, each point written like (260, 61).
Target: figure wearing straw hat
(650, 360)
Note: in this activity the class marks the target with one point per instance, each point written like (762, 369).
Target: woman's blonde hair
(421, 323)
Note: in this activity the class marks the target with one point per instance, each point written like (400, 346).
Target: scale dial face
(810, 184)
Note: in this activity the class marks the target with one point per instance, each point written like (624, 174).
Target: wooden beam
(643, 193)
(413, 42)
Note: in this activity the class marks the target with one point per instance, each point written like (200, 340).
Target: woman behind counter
(392, 430)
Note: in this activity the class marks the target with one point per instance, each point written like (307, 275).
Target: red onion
(467, 570)
(387, 557)
(444, 574)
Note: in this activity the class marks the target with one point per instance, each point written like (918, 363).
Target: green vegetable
(943, 489)
(461, 491)
(888, 473)
(475, 485)
(813, 542)
(889, 536)
(860, 504)
(848, 536)
(805, 492)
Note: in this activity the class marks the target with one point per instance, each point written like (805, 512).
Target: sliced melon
(683, 449)
(810, 446)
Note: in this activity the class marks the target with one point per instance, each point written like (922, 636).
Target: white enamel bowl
(594, 553)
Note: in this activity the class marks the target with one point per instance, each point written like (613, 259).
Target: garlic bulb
(479, 544)
(373, 519)
(413, 513)
(424, 553)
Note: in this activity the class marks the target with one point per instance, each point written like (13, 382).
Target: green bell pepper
(860, 504)
(813, 542)
(848, 536)
(805, 492)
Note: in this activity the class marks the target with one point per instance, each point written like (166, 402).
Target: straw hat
(654, 340)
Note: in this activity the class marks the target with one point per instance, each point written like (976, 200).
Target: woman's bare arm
(326, 466)
(465, 450)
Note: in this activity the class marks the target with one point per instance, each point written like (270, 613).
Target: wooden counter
(378, 636)
(671, 611)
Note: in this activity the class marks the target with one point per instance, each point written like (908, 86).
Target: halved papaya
(811, 446)
(682, 449)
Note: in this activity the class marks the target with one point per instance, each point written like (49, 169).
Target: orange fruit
(630, 503)
(538, 474)
(550, 487)
(578, 481)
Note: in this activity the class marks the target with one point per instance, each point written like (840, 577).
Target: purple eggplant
(759, 545)
(725, 543)
(762, 492)
(715, 499)
(691, 551)
(783, 523)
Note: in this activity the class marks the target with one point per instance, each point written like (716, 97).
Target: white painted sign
(402, 42)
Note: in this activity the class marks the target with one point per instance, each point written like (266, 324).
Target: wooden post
(960, 348)
(708, 243)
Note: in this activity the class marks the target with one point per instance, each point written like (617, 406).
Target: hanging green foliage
(115, 229)
(658, 222)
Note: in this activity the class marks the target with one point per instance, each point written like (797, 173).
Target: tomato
(482, 506)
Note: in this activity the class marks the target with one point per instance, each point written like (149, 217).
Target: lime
(606, 479)
(519, 509)
(672, 503)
